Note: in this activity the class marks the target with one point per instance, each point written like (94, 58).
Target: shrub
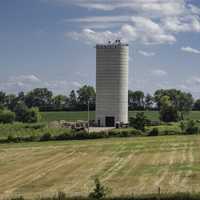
(124, 134)
(99, 191)
(63, 136)
(154, 132)
(182, 126)
(27, 115)
(35, 126)
(13, 139)
(135, 132)
(191, 127)
(7, 116)
(169, 114)
(80, 135)
(139, 121)
(18, 198)
(33, 115)
(45, 137)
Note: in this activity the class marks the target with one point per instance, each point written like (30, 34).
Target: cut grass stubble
(127, 165)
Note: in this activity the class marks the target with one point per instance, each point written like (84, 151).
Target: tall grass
(177, 196)
(24, 130)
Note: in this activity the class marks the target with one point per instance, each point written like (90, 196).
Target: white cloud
(90, 36)
(190, 50)
(102, 19)
(152, 7)
(25, 78)
(147, 54)
(192, 85)
(142, 29)
(188, 23)
(194, 9)
(16, 84)
(77, 84)
(159, 73)
(151, 21)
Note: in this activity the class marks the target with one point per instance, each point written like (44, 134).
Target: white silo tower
(112, 83)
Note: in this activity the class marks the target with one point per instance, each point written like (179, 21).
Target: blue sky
(50, 43)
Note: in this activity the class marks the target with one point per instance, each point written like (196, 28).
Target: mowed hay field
(74, 116)
(127, 165)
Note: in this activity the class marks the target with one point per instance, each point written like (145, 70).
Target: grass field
(131, 165)
(73, 116)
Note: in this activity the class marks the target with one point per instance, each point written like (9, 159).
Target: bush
(35, 126)
(169, 114)
(154, 132)
(63, 136)
(139, 121)
(13, 139)
(32, 115)
(191, 127)
(27, 115)
(99, 191)
(7, 116)
(18, 198)
(45, 137)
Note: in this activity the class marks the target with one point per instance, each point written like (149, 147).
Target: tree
(197, 105)
(39, 97)
(2, 99)
(11, 101)
(168, 112)
(149, 101)
(20, 111)
(27, 115)
(181, 101)
(72, 100)
(136, 100)
(7, 116)
(139, 121)
(21, 97)
(184, 103)
(60, 102)
(85, 94)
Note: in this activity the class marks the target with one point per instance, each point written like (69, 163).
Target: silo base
(109, 121)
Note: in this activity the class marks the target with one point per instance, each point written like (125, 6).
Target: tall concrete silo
(112, 83)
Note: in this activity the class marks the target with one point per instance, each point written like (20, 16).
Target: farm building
(112, 84)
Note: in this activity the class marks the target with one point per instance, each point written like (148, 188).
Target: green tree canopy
(85, 94)
(136, 100)
(39, 97)
(168, 112)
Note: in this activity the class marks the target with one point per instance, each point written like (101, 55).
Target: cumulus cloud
(147, 54)
(188, 23)
(151, 7)
(16, 84)
(190, 50)
(142, 29)
(151, 22)
(24, 79)
(192, 85)
(91, 36)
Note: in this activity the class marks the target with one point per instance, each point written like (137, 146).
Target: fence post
(159, 193)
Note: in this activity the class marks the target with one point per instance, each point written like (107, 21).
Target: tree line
(45, 100)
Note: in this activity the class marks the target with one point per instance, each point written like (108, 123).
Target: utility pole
(88, 115)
